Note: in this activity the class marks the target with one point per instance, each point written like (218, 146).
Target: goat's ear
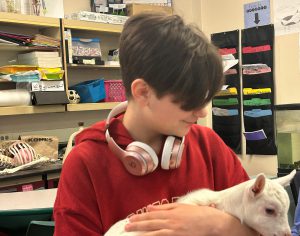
(285, 180)
(258, 185)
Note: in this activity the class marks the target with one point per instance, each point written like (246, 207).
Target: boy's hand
(187, 220)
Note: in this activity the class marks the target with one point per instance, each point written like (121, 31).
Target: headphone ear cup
(141, 158)
(172, 153)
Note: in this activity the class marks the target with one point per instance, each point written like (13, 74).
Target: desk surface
(18, 209)
(38, 199)
(28, 176)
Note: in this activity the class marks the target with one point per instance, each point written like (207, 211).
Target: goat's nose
(287, 233)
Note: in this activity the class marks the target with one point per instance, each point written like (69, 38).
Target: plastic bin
(90, 91)
(86, 47)
(115, 91)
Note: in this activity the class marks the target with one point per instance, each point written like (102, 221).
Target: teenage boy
(150, 151)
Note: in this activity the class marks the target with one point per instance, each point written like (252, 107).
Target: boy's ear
(140, 90)
(258, 185)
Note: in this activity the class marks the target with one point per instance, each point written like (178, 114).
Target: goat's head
(266, 205)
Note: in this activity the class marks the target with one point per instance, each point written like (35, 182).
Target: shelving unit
(29, 24)
(21, 110)
(29, 20)
(78, 66)
(91, 106)
(76, 73)
(92, 26)
(17, 48)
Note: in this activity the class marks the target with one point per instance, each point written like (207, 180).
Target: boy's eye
(270, 211)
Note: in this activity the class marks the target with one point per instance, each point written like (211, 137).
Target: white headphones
(139, 158)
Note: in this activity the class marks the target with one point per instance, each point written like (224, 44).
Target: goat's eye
(270, 211)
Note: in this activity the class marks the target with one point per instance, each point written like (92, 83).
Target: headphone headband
(121, 107)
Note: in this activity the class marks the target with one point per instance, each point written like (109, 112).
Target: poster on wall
(286, 16)
(257, 13)
(48, 8)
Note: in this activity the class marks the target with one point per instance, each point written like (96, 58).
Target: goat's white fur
(260, 203)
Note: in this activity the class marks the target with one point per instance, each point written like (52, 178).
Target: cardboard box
(133, 9)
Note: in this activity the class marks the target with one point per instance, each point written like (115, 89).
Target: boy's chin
(182, 133)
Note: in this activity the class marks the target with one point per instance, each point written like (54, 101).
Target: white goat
(260, 203)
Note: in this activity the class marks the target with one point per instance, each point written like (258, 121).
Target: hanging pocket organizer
(258, 88)
(226, 115)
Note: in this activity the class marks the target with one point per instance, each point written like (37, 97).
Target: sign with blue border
(257, 13)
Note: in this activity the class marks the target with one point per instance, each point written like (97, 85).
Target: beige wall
(287, 75)
(190, 10)
(71, 6)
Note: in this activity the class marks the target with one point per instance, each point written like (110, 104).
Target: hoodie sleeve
(76, 211)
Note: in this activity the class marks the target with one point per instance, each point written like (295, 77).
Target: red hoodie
(95, 190)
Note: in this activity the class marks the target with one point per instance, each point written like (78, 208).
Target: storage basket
(115, 91)
(90, 91)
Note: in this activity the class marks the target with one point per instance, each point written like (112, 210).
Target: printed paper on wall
(286, 16)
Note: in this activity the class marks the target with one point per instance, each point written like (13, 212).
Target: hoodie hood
(97, 132)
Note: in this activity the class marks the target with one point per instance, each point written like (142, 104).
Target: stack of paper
(45, 41)
(40, 59)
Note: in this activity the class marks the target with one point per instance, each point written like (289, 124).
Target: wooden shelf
(91, 106)
(39, 21)
(5, 81)
(22, 110)
(92, 26)
(18, 48)
(79, 66)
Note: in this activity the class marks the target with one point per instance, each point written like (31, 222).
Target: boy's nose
(201, 113)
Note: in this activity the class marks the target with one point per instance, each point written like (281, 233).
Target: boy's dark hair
(172, 57)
